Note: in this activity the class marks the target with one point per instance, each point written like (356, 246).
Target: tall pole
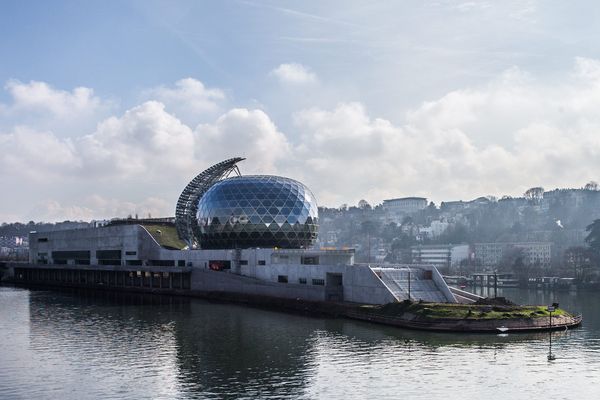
(409, 284)
(369, 240)
(495, 283)
(550, 345)
(550, 356)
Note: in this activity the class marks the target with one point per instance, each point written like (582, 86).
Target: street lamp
(408, 283)
(551, 308)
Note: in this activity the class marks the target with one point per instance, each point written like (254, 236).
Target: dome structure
(256, 211)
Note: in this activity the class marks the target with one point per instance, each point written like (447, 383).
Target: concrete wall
(361, 285)
(124, 238)
(219, 281)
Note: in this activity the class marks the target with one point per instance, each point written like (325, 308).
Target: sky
(109, 108)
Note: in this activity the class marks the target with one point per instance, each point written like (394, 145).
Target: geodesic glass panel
(257, 211)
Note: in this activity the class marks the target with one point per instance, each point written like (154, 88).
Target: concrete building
(441, 256)
(405, 205)
(247, 236)
(534, 253)
(143, 255)
(435, 229)
(396, 209)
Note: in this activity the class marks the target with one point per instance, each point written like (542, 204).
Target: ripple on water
(71, 346)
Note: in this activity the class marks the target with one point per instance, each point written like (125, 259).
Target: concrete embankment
(409, 321)
(178, 281)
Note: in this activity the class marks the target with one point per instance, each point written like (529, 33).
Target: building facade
(534, 253)
(445, 257)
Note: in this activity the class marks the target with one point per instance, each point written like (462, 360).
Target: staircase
(420, 289)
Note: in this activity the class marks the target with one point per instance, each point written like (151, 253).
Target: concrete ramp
(422, 287)
(464, 297)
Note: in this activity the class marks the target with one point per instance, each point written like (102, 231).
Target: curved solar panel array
(185, 211)
(257, 211)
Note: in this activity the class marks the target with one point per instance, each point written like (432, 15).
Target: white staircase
(420, 288)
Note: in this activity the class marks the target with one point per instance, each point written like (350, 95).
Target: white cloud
(144, 144)
(294, 73)
(43, 107)
(37, 156)
(189, 99)
(500, 137)
(96, 207)
(246, 133)
(41, 96)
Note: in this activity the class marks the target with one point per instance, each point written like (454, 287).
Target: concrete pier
(114, 277)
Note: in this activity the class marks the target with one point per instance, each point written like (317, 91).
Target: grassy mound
(465, 311)
(166, 236)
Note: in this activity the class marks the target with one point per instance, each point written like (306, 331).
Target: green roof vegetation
(166, 236)
(466, 311)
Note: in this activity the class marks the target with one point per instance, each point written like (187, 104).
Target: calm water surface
(78, 345)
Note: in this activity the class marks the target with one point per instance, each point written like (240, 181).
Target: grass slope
(166, 236)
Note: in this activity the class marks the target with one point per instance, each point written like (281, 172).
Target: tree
(591, 185)
(534, 194)
(593, 237)
(364, 205)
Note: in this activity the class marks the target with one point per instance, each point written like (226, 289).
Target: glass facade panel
(257, 211)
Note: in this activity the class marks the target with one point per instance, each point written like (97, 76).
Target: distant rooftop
(406, 198)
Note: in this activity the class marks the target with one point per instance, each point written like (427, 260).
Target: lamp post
(495, 283)
(551, 308)
(408, 283)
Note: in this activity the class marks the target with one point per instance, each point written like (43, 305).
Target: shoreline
(405, 320)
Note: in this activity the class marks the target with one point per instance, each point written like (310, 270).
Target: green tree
(593, 237)
(593, 241)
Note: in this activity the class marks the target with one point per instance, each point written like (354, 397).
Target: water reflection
(102, 345)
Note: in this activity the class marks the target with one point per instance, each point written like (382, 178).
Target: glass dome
(257, 211)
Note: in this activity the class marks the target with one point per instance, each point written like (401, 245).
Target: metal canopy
(187, 204)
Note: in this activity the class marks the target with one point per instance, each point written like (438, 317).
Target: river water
(97, 345)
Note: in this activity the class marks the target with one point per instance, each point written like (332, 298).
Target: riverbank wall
(225, 287)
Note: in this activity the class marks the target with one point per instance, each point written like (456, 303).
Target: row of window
(302, 281)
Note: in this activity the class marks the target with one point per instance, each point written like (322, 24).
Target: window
(282, 279)
(243, 262)
(310, 260)
(320, 282)
(302, 281)
(42, 240)
(262, 262)
(108, 254)
(131, 253)
(181, 263)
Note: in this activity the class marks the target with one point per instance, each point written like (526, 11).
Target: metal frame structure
(187, 204)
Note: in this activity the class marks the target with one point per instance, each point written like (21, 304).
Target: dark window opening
(108, 254)
(243, 262)
(109, 262)
(42, 240)
(302, 281)
(262, 262)
(319, 282)
(161, 263)
(310, 260)
(282, 279)
(181, 263)
(219, 265)
(71, 255)
(131, 253)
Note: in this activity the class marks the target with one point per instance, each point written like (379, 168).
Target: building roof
(406, 198)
